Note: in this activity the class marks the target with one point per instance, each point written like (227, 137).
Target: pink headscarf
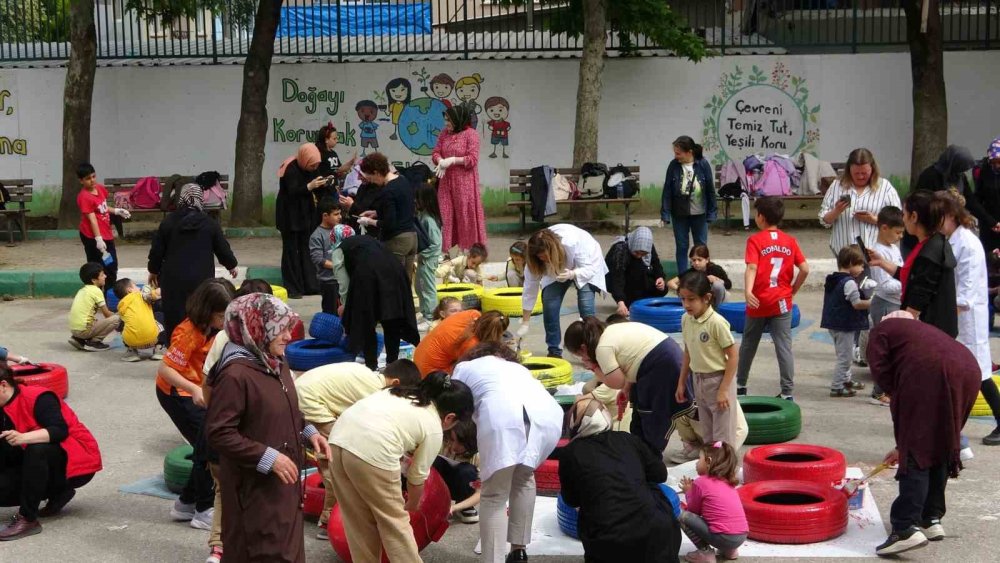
(900, 314)
(253, 321)
(307, 155)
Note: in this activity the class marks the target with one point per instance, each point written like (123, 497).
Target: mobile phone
(846, 198)
(864, 250)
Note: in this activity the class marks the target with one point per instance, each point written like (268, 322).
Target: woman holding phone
(851, 205)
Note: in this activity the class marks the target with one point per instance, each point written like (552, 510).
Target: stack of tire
(771, 420)
(735, 313)
(327, 345)
(177, 468)
(507, 300)
(313, 495)
(551, 372)
(788, 493)
(981, 408)
(51, 376)
(663, 313)
(470, 294)
(547, 474)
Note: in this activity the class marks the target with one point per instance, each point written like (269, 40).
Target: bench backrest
(20, 189)
(520, 178)
(124, 184)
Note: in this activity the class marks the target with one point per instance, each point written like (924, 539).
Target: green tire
(771, 420)
(177, 467)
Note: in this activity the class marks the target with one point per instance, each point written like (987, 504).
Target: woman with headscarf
(183, 255)
(457, 158)
(613, 477)
(634, 269)
(379, 294)
(296, 218)
(933, 381)
(987, 178)
(255, 426)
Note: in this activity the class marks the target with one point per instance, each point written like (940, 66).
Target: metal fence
(343, 31)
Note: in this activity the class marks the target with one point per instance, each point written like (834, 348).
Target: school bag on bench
(620, 176)
(593, 176)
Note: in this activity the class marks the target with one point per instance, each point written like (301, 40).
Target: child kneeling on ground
(86, 330)
(714, 515)
(458, 465)
(845, 312)
(467, 268)
(140, 331)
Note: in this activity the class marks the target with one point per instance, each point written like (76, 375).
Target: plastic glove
(868, 284)
(366, 221)
(522, 330)
(452, 278)
(444, 163)
(566, 275)
(101, 245)
(439, 171)
(24, 360)
(123, 213)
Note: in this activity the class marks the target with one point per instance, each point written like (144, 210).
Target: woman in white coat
(560, 256)
(973, 296)
(518, 425)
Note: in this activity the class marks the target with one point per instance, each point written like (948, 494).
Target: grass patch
(45, 201)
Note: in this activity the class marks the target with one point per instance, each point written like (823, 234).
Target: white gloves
(566, 275)
(123, 213)
(24, 360)
(444, 163)
(868, 283)
(367, 221)
(452, 278)
(101, 245)
(523, 329)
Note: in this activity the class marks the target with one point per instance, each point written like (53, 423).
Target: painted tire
(547, 478)
(305, 355)
(313, 495)
(280, 293)
(177, 467)
(469, 294)
(675, 501)
(795, 462)
(735, 313)
(429, 522)
(568, 518)
(298, 331)
(771, 420)
(325, 326)
(663, 313)
(793, 512)
(507, 300)
(981, 408)
(50, 376)
(111, 300)
(552, 372)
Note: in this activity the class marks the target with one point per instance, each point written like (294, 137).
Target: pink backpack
(773, 181)
(215, 197)
(146, 194)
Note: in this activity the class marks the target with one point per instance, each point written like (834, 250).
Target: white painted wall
(183, 119)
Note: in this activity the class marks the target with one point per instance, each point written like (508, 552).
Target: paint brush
(851, 486)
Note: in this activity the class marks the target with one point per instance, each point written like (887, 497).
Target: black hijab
(954, 162)
(460, 116)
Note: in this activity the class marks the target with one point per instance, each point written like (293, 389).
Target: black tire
(305, 355)
(771, 420)
(177, 467)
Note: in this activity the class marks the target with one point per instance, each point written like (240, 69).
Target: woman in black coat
(634, 269)
(613, 478)
(379, 292)
(183, 255)
(296, 218)
(987, 178)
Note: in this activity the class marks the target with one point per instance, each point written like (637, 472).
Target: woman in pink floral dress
(457, 158)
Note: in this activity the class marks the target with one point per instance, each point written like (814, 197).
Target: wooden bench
(20, 193)
(520, 183)
(838, 167)
(115, 185)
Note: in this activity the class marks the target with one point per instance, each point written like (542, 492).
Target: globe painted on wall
(420, 123)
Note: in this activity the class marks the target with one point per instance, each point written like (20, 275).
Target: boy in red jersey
(771, 258)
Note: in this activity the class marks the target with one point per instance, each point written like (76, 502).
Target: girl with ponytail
(688, 197)
(456, 335)
(366, 445)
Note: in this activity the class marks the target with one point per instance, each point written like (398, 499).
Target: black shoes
(993, 439)
(517, 556)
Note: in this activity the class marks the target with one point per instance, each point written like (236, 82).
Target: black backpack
(620, 175)
(593, 176)
(416, 173)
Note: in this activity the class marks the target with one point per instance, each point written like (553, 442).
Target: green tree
(930, 103)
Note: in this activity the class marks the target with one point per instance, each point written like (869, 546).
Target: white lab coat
(972, 287)
(505, 394)
(583, 254)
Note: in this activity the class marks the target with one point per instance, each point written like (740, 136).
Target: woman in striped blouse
(852, 203)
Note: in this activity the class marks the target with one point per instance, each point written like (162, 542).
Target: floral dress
(463, 220)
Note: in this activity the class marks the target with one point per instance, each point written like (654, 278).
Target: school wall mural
(10, 142)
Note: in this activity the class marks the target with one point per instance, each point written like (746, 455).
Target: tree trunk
(588, 93)
(251, 133)
(930, 105)
(78, 95)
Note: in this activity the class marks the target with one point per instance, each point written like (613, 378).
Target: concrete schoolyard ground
(116, 401)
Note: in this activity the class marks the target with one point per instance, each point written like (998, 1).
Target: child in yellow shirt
(140, 331)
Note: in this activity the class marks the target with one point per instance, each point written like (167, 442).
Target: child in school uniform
(429, 220)
(714, 516)
(467, 268)
(458, 465)
(140, 331)
(845, 312)
(515, 264)
(320, 250)
(87, 332)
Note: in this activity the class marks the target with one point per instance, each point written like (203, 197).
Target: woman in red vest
(45, 453)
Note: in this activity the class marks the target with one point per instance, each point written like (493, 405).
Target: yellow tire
(507, 300)
(552, 372)
(469, 294)
(981, 408)
(280, 292)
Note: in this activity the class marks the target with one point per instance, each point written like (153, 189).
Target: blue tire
(325, 326)
(305, 355)
(735, 313)
(663, 313)
(111, 300)
(671, 495)
(568, 518)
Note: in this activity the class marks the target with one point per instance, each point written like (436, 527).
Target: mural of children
(398, 92)
(442, 86)
(367, 112)
(498, 109)
(467, 89)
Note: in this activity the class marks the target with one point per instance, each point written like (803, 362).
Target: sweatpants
(32, 474)
(654, 406)
(702, 537)
(94, 255)
(878, 309)
(426, 284)
(843, 345)
(189, 420)
(514, 485)
(781, 333)
(717, 424)
(921, 496)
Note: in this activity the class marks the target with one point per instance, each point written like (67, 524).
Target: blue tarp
(355, 19)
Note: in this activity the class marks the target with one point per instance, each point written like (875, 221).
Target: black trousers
(330, 295)
(392, 331)
(94, 255)
(298, 274)
(32, 474)
(921, 496)
(189, 420)
(459, 478)
(654, 406)
(992, 396)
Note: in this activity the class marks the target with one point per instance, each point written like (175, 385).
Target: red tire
(793, 512)
(313, 495)
(794, 462)
(547, 478)
(50, 376)
(298, 331)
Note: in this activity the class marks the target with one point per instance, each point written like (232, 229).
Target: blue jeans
(552, 298)
(697, 225)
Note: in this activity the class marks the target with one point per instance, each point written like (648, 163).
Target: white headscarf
(589, 417)
(641, 240)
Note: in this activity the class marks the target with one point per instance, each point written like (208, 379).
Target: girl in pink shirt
(714, 517)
